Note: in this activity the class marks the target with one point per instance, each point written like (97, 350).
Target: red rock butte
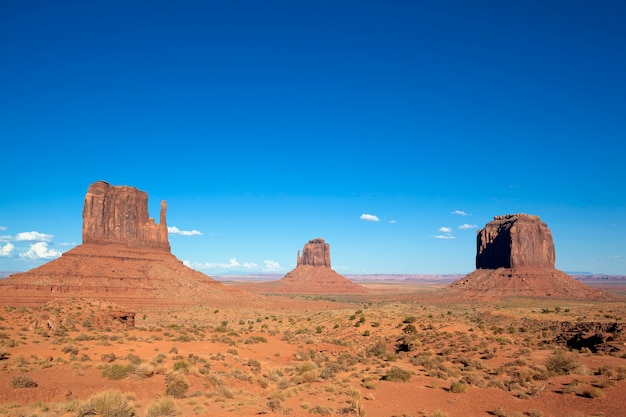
(124, 258)
(515, 257)
(312, 275)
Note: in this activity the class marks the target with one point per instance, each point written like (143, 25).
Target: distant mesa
(312, 275)
(515, 256)
(124, 258)
(315, 253)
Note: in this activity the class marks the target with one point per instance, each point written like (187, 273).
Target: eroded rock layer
(119, 215)
(125, 258)
(315, 253)
(515, 256)
(312, 275)
(513, 241)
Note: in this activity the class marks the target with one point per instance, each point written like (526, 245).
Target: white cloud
(234, 265)
(40, 250)
(7, 249)
(445, 229)
(173, 230)
(3, 228)
(444, 237)
(369, 218)
(67, 244)
(467, 226)
(460, 213)
(6, 238)
(271, 266)
(33, 237)
(393, 221)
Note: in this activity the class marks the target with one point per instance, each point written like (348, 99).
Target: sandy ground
(397, 351)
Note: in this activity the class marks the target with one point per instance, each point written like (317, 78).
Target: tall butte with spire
(312, 275)
(125, 258)
(515, 256)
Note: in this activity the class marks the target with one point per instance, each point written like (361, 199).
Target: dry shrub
(144, 370)
(594, 392)
(162, 407)
(108, 403)
(23, 381)
(176, 385)
(117, 371)
(397, 374)
(458, 387)
(561, 364)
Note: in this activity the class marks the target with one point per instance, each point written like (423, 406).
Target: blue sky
(265, 124)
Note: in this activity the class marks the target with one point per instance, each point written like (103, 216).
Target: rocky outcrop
(514, 241)
(119, 215)
(312, 275)
(125, 258)
(315, 253)
(515, 256)
(595, 336)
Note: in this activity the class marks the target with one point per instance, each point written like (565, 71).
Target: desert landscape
(118, 327)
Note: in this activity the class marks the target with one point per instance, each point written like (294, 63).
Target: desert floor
(399, 351)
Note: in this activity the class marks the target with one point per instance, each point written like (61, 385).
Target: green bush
(106, 404)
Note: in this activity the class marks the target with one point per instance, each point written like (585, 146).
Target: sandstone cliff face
(315, 253)
(515, 241)
(515, 257)
(119, 215)
(125, 258)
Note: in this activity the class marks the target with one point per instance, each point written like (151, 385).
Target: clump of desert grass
(108, 403)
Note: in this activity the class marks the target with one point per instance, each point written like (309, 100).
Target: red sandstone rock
(513, 241)
(119, 215)
(515, 257)
(125, 258)
(315, 253)
(312, 275)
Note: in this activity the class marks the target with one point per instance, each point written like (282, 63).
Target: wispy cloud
(7, 249)
(40, 250)
(33, 237)
(447, 233)
(393, 221)
(6, 238)
(271, 265)
(173, 230)
(67, 244)
(369, 217)
(460, 213)
(3, 228)
(234, 265)
(467, 226)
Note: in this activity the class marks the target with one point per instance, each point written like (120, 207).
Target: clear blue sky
(265, 124)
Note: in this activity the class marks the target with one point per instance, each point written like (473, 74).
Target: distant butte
(312, 275)
(515, 256)
(124, 258)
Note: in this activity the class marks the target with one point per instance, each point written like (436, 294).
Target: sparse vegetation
(106, 404)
